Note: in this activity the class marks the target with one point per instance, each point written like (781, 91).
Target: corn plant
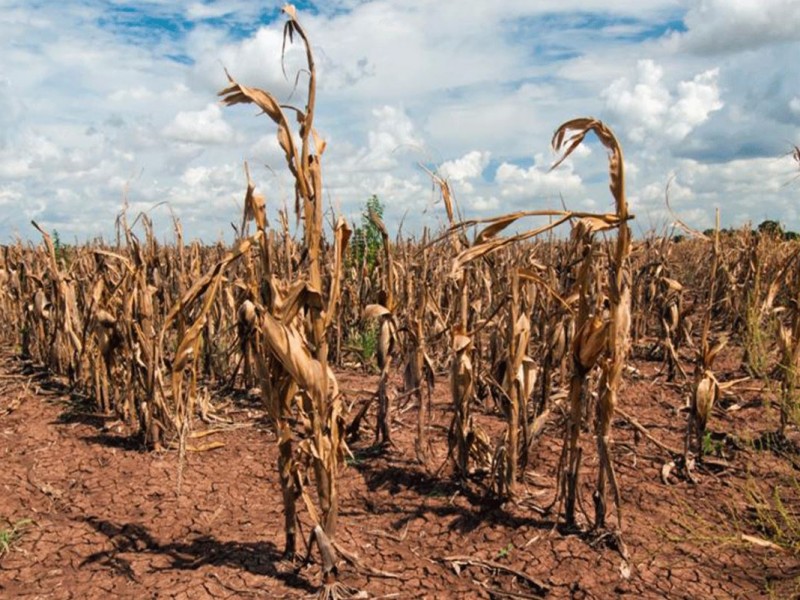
(599, 337)
(299, 365)
(706, 389)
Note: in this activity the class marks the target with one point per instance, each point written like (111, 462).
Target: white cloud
(518, 183)
(10, 197)
(483, 204)
(698, 189)
(135, 93)
(205, 126)
(643, 103)
(394, 131)
(647, 108)
(91, 101)
(392, 134)
(468, 167)
(696, 100)
(198, 10)
(722, 26)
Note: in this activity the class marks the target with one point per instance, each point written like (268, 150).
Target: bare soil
(106, 518)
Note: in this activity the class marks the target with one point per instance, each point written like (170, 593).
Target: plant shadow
(258, 558)
(435, 494)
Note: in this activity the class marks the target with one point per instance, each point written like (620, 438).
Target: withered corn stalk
(788, 335)
(706, 388)
(465, 438)
(65, 345)
(586, 348)
(188, 354)
(789, 346)
(418, 370)
(600, 337)
(657, 294)
(518, 384)
(282, 332)
(592, 327)
(387, 336)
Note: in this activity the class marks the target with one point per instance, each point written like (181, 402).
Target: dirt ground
(97, 517)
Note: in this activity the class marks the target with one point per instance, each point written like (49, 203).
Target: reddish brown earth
(106, 519)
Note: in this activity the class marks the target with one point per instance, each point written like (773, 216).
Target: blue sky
(105, 102)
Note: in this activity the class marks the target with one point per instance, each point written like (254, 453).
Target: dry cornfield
(518, 377)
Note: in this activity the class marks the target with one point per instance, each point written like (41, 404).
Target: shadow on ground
(258, 558)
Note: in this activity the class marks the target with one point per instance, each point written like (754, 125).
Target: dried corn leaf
(376, 311)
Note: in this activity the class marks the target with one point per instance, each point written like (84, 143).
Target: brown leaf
(566, 144)
(376, 311)
(290, 11)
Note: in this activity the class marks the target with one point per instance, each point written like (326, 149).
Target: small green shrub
(776, 515)
(366, 243)
(11, 535)
(366, 342)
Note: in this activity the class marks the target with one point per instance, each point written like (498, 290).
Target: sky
(109, 102)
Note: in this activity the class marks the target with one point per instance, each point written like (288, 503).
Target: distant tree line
(767, 228)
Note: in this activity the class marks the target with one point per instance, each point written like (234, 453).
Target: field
(106, 518)
(498, 409)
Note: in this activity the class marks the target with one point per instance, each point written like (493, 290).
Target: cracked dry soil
(106, 519)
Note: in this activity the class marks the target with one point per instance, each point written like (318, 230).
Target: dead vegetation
(532, 327)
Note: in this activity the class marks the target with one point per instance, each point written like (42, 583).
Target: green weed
(11, 535)
(365, 341)
(505, 552)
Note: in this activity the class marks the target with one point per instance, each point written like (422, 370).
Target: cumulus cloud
(10, 197)
(205, 126)
(647, 108)
(724, 26)
(468, 167)
(483, 204)
(696, 100)
(697, 189)
(98, 97)
(199, 10)
(394, 129)
(255, 60)
(392, 134)
(518, 182)
(354, 174)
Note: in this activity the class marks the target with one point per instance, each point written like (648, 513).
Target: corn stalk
(600, 337)
(304, 360)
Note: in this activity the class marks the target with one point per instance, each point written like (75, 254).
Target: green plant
(60, 248)
(367, 240)
(774, 515)
(723, 525)
(10, 536)
(712, 446)
(777, 519)
(504, 552)
(366, 342)
(757, 338)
